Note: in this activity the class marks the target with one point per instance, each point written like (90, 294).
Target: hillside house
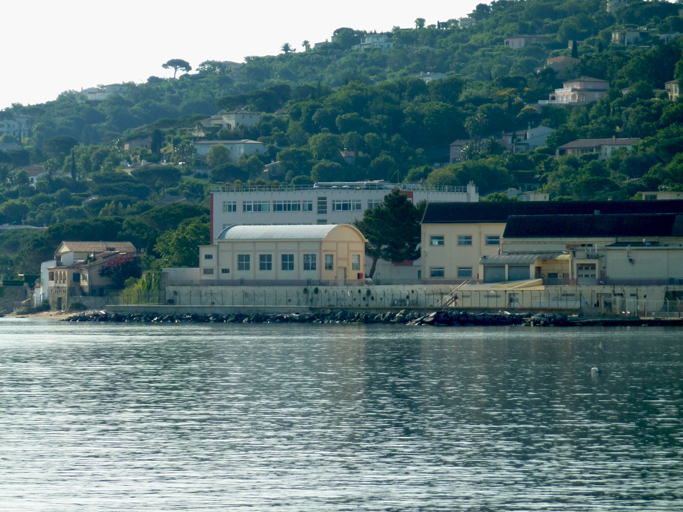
(102, 92)
(237, 147)
(17, 126)
(672, 88)
(374, 41)
(626, 37)
(578, 91)
(524, 40)
(561, 65)
(603, 147)
(231, 120)
(145, 142)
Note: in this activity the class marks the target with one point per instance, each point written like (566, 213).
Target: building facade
(322, 203)
(603, 147)
(17, 126)
(579, 91)
(284, 255)
(232, 120)
(237, 147)
(374, 41)
(456, 236)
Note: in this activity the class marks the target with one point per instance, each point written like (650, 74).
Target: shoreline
(403, 317)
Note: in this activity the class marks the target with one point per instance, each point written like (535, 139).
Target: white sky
(50, 47)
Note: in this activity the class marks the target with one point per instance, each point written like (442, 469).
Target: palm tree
(286, 48)
(306, 45)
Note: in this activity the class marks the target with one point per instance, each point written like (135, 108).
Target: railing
(361, 186)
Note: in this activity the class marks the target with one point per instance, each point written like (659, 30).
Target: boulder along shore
(404, 317)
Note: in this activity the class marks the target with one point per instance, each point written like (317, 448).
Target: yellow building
(456, 236)
(593, 249)
(284, 254)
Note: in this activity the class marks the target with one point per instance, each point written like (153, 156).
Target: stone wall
(12, 296)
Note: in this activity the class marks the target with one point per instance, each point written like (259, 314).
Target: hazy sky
(51, 47)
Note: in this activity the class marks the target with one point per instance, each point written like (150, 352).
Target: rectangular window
(346, 205)
(310, 262)
(229, 206)
(492, 240)
(464, 271)
(329, 262)
(225, 271)
(76, 277)
(256, 206)
(85, 278)
(287, 262)
(265, 262)
(286, 206)
(322, 206)
(51, 276)
(208, 256)
(465, 240)
(355, 262)
(436, 272)
(307, 206)
(373, 203)
(436, 240)
(243, 262)
(208, 271)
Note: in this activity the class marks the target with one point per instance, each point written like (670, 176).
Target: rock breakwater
(405, 317)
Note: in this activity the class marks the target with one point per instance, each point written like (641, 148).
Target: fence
(355, 297)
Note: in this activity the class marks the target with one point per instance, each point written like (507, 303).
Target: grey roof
(447, 213)
(593, 226)
(517, 259)
(594, 143)
(278, 232)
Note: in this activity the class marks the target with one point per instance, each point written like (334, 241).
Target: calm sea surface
(338, 418)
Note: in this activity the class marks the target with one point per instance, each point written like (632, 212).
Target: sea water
(110, 417)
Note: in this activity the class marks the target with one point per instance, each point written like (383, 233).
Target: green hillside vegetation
(317, 101)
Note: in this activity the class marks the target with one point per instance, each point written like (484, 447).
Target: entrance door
(586, 273)
(341, 274)
(59, 303)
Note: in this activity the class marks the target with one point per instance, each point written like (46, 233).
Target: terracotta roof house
(603, 147)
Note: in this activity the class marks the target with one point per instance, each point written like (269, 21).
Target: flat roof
(483, 212)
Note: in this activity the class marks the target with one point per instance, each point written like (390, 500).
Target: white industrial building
(324, 203)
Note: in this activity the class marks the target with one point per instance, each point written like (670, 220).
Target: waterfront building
(324, 203)
(284, 255)
(597, 249)
(456, 236)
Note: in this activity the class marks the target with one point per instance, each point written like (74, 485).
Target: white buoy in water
(595, 371)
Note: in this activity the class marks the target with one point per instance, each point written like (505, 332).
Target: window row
(464, 240)
(265, 262)
(440, 272)
(299, 206)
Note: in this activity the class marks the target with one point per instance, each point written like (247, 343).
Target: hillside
(393, 123)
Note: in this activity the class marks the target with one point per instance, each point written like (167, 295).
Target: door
(519, 273)
(586, 273)
(341, 274)
(494, 274)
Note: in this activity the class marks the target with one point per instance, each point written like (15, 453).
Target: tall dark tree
(575, 49)
(177, 64)
(392, 230)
